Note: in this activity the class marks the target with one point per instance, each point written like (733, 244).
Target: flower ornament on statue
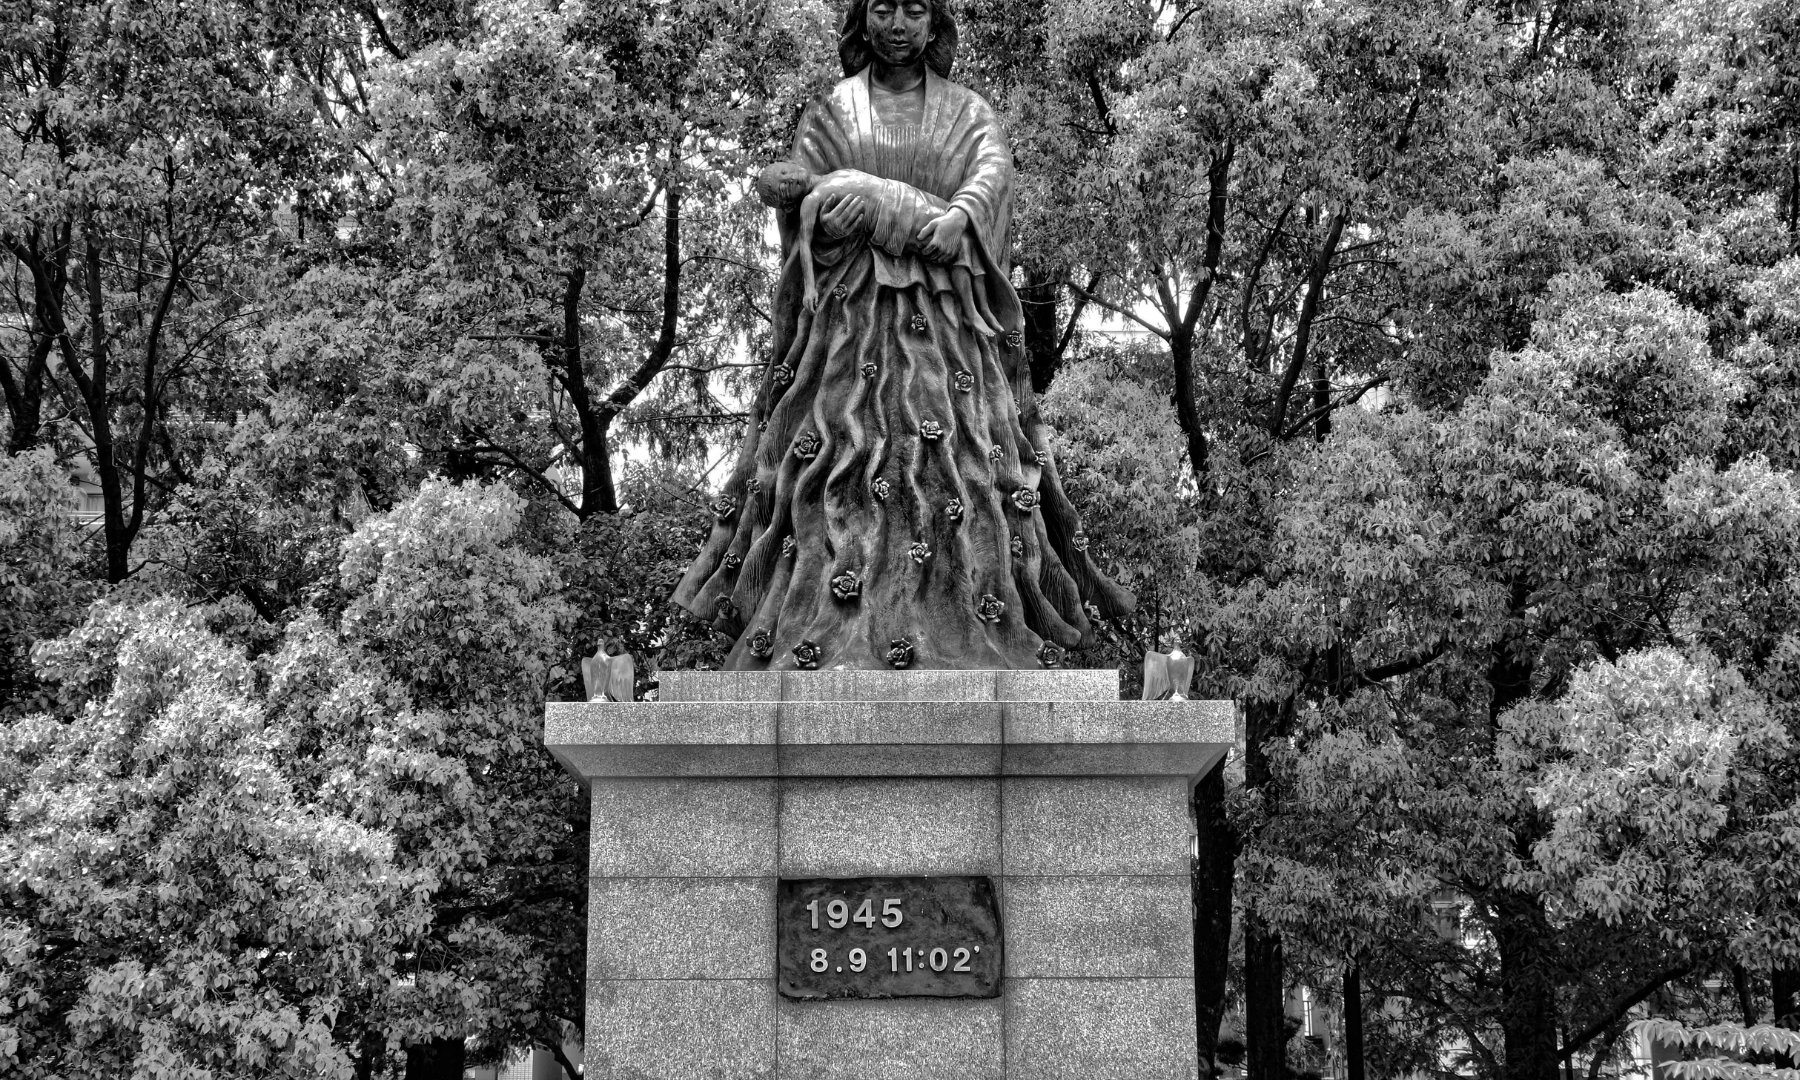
(762, 645)
(930, 430)
(965, 382)
(806, 447)
(900, 652)
(1018, 546)
(954, 509)
(881, 488)
(732, 560)
(781, 374)
(869, 369)
(789, 546)
(1026, 499)
(920, 551)
(723, 507)
(806, 654)
(989, 608)
(847, 585)
(1050, 654)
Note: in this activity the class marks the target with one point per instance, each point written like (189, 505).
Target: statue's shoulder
(962, 101)
(847, 92)
(843, 93)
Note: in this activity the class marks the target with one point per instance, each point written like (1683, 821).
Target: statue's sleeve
(985, 189)
(821, 145)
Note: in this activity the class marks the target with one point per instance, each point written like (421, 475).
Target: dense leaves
(1430, 371)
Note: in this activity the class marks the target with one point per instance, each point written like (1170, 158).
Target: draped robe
(894, 501)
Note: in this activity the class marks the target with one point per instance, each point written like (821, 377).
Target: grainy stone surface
(603, 762)
(689, 685)
(1100, 1029)
(608, 739)
(865, 827)
(681, 1030)
(682, 828)
(1111, 927)
(1061, 684)
(660, 723)
(1095, 825)
(888, 722)
(914, 759)
(924, 685)
(681, 928)
(1073, 802)
(900, 1039)
(1110, 759)
(1125, 722)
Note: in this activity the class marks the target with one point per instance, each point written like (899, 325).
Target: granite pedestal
(1076, 805)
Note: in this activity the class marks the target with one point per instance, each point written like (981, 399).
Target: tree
(418, 696)
(174, 907)
(41, 587)
(555, 221)
(147, 147)
(1482, 570)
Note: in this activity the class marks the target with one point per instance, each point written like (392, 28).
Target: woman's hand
(843, 216)
(941, 238)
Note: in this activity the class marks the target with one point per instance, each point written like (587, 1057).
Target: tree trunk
(25, 396)
(1187, 413)
(1353, 1022)
(1265, 979)
(1265, 1002)
(439, 1059)
(1740, 982)
(1321, 400)
(1784, 987)
(95, 395)
(1215, 866)
(370, 1051)
(1043, 337)
(1527, 988)
(1784, 990)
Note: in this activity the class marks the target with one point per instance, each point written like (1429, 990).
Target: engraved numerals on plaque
(837, 913)
(888, 937)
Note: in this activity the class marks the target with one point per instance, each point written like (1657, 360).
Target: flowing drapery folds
(894, 501)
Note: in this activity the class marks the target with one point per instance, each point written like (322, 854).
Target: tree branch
(381, 31)
(1619, 1006)
(1309, 310)
(1352, 398)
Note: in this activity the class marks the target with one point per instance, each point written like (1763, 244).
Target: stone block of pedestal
(1074, 804)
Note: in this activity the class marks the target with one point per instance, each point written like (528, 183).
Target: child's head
(783, 184)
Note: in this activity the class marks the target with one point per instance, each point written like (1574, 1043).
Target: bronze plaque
(885, 937)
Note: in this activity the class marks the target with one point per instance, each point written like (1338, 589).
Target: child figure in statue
(901, 213)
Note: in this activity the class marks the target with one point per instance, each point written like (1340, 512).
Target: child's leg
(809, 215)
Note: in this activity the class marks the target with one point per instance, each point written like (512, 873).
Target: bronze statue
(894, 501)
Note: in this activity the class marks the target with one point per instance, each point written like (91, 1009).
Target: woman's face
(898, 30)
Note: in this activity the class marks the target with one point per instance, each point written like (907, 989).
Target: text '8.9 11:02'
(887, 937)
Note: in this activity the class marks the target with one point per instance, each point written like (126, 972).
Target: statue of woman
(894, 501)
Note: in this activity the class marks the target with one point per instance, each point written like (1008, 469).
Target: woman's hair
(853, 38)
